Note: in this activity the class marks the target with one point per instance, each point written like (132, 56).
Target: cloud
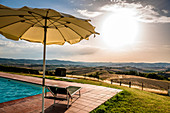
(89, 13)
(87, 51)
(19, 49)
(17, 44)
(147, 14)
(24, 49)
(165, 11)
(72, 50)
(142, 13)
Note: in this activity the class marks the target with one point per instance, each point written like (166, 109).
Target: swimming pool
(12, 89)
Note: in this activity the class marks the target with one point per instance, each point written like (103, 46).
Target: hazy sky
(130, 31)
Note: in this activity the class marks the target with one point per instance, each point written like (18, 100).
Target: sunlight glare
(120, 29)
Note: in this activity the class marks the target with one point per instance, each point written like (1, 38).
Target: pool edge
(12, 102)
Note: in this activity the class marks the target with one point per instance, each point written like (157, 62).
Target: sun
(120, 29)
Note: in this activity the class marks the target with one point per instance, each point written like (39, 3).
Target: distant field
(135, 80)
(108, 74)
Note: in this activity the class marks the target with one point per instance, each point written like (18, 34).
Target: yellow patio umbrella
(45, 26)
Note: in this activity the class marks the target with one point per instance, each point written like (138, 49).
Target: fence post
(111, 81)
(142, 85)
(120, 83)
(129, 84)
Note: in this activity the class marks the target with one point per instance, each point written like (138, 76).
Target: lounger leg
(79, 93)
(54, 98)
(54, 101)
(67, 100)
(68, 103)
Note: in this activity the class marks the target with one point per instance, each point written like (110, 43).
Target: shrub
(18, 69)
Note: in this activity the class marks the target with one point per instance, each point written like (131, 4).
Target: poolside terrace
(91, 97)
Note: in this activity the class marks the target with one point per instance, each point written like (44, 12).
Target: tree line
(147, 75)
(18, 70)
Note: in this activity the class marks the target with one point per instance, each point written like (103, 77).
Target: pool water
(12, 89)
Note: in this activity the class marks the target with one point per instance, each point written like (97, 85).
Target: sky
(130, 31)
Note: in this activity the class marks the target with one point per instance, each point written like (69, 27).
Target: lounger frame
(67, 93)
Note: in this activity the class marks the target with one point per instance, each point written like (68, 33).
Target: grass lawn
(129, 100)
(133, 100)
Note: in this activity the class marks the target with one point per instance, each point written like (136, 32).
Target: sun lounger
(68, 91)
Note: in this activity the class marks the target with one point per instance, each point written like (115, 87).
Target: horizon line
(84, 61)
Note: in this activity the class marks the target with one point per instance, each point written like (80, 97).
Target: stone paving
(91, 97)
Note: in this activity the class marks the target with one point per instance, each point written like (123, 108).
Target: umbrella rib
(32, 21)
(9, 24)
(34, 13)
(53, 21)
(27, 29)
(61, 34)
(74, 24)
(75, 31)
(30, 12)
(23, 33)
(57, 21)
(32, 25)
(36, 23)
(36, 18)
(68, 27)
(17, 22)
(83, 28)
(13, 15)
(57, 29)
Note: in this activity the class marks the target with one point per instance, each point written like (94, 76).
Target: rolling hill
(88, 64)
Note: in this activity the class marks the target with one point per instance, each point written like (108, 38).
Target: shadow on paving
(56, 108)
(59, 107)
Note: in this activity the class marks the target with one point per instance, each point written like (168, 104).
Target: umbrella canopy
(29, 24)
(45, 26)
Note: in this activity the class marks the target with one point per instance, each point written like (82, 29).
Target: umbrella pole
(44, 57)
(43, 81)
